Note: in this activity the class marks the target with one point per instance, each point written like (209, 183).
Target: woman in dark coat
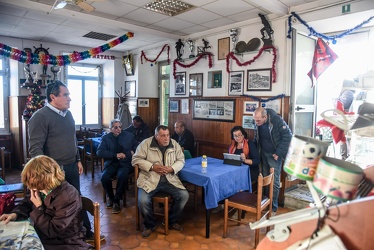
(53, 206)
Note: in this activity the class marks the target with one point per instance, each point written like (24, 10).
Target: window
(4, 93)
(85, 92)
(164, 76)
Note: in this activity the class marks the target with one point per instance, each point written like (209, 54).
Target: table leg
(207, 224)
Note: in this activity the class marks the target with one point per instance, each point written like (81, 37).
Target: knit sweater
(53, 135)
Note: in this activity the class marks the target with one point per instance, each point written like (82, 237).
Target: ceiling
(31, 20)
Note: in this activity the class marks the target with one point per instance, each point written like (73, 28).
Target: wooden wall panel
(150, 114)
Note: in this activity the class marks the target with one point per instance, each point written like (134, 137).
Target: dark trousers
(72, 176)
(122, 173)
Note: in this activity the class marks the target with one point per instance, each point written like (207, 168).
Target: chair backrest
(2, 167)
(88, 147)
(267, 181)
(137, 219)
(6, 141)
(196, 149)
(94, 209)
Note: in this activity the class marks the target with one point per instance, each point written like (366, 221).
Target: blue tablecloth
(95, 144)
(221, 181)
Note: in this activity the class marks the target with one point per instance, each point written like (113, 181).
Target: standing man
(184, 137)
(273, 137)
(139, 129)
(52, 133)
(160, 159)
(117, 148)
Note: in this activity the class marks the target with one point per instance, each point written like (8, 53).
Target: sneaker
(109, 204)
(116, 208)
(90, 237)
(147, 232)
(273, 213)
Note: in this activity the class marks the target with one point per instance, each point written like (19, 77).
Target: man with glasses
(160, 159)
(273, 137)
(117, 148)
(52, 133)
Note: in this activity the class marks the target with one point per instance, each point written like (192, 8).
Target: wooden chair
(160, 198)
(94, 209)
(2, 167)
(114, 185)
(250, 202)
(6, 141)
(90, 155)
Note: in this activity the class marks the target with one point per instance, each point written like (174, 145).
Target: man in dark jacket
(184, 137)
(117, 149)
(273, 137)
(139, 129)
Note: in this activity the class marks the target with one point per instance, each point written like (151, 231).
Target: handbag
(7, 202)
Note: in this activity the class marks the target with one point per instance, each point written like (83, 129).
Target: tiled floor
(121, 233)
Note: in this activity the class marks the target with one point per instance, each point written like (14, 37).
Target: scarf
(232, 147)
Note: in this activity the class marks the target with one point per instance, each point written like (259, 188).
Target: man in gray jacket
(160, 159)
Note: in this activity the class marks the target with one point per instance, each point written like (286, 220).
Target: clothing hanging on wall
(124, 115)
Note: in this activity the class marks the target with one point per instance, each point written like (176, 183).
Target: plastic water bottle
(204, 164)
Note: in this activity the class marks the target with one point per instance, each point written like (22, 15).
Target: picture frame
(214, 109)
(173, 106)
(130, 88)
(180, 83)
(223, 48)
(259, 80)
(143, 103)
(236, 82)
(196, 84)
(185, 106)
(215, 79)
(276, 105)
(248, 122)
(128, 64)
(249, 107)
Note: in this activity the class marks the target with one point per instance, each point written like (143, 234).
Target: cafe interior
(208, 63)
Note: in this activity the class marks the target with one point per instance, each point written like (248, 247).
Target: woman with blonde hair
(53, 205)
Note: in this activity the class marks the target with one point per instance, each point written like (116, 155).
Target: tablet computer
(232, 157)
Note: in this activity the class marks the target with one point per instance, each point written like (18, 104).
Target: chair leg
(225, 218)
(93, 167)
(196, 196)
(166, 213)
(124, 197)
(104, 196)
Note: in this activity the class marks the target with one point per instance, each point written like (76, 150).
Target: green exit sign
(346, 8)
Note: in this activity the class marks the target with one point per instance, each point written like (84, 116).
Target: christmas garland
(31, 58)
(177, 62)
(149, 60)
(324, 37)
(265, 100)
(273, 72)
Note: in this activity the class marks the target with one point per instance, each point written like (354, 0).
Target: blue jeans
(267, 162)
(122, 173)
(179, 196)
(72, 177)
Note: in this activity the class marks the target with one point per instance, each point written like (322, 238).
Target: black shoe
(147, 232)
(116, 208)
(109, 204)
(174, 226)
(90, 237)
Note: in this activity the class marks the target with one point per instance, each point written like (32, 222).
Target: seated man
(117, 148)
(139, 129)
(159, 160)
(184, 137)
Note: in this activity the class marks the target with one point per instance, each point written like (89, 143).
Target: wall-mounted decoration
(174, 106)
(248, 122)
(223, 48)
(196, 84)
(130, 88)
(143, 103)
(128, 65)
(214, 109)
(215, 79)
(259, 80)
(180, 83)
(236, 80)
(276, 105)
(185, 106)
(249, 107)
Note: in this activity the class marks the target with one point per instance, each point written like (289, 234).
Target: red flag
(322, 59)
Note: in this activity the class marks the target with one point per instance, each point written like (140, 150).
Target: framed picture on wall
(214, 109)
(173, 106)
(236, 80)
(259, 80)
(185, 106)
(223, 48)
(249, 107)
(180, 83)
(128, 65)
(196, 84)
(276, 105)
(248, 122)
(143, 103)
(130, 88)
(215, 79)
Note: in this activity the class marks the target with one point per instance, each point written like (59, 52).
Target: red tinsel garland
(176, 61)
(273, 72)
(149, 60)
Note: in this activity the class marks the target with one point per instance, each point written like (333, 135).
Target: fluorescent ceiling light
(60, 5)
(168, 7)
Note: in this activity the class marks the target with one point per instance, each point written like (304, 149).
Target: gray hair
(114, 121)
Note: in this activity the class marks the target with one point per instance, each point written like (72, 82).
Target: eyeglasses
(238, 136)
(116, 127)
